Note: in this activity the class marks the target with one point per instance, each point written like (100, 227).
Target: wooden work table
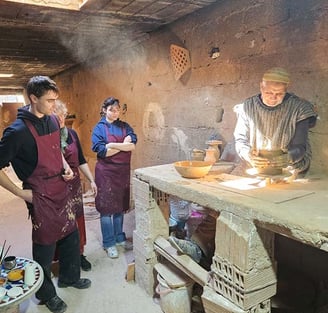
(297, 209)
(243, 274)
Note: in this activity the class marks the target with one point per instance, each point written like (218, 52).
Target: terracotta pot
(269, 154)
(269, 169)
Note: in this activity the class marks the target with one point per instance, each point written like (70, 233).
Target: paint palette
(14, 292)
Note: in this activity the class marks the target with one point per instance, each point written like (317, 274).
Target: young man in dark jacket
(31, 144)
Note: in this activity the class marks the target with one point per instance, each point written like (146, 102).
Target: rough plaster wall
(171, 117)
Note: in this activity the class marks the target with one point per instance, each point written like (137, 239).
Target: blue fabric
(99, 135)
(112, 229)
(180, 224)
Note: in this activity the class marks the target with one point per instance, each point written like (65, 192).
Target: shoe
(85, 264)
(186, 247)
(112, 252)
(82, 283)
(127, 245)
(56, 305)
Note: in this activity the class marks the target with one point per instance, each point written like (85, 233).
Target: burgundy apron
(71, 155)
(112, 177)
(52, 215)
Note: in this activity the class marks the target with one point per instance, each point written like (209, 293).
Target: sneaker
(82, 283)
(56, 305)
(127, 245)
(112, 252)
(85, 264)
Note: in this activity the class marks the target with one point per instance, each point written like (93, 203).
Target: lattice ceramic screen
(180, 60)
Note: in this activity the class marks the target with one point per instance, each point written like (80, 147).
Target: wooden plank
(183, 262)
(130, 272)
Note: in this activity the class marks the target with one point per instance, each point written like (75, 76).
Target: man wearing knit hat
(275, 120)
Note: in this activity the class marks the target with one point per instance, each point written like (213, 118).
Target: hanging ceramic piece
(180, 60)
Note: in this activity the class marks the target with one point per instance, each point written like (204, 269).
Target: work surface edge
(304, 219)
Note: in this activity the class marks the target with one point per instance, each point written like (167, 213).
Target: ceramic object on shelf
(197, 155)
(210, 155)
(214, 145)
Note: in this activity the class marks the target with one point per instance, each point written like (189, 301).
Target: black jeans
(69, 263)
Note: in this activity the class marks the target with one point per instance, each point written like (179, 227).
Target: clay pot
(269, 169)
(269, 154)
(214, 144)
(210, 155)
(197, 155)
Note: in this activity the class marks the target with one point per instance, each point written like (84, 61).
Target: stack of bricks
(151, 221)
(213, 302)
(243, 270)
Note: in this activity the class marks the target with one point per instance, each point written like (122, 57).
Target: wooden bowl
(192, 169)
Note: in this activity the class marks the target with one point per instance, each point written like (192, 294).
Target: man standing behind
(275, 119)
(31, 144)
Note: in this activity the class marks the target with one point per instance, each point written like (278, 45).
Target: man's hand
(26, 195)
(280, 161)
(68, 174)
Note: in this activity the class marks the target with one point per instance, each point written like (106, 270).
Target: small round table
(10, 303)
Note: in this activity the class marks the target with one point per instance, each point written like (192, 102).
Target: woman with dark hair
(113, 140)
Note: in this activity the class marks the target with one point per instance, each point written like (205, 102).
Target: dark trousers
(69, 263)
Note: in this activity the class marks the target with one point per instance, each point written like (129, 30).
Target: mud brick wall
(173, 116)
(241, 243)
(243, 268)
(151, 221)
(214, 303)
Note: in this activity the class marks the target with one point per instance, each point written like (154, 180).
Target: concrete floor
(109, 292)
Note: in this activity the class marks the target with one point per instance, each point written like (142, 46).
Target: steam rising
(95, 43)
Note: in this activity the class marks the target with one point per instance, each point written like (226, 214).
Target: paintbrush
(3, 248)
(6, 252)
